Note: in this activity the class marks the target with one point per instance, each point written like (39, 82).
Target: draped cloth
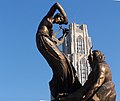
(64, 76)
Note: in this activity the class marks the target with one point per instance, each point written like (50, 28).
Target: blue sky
(24, 73)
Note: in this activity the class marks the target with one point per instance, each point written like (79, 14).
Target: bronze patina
(64, 80)
(65, 85)
(99, 86)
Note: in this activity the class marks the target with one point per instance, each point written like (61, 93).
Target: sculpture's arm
(88, 84)
(101, 77)
(90, 57)
(52, 10)
(97, 84)
(58, 41)
(60, 9)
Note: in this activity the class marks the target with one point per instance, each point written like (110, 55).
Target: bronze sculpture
(65, 85)
(64, 80)
(99, 86)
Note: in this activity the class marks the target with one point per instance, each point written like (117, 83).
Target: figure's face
(57, 20)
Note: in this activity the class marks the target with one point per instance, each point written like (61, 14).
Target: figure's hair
(59, 15)
(98, 56)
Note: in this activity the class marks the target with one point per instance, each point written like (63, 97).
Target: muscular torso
(99, 69)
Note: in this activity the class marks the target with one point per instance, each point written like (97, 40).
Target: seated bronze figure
(99, 86)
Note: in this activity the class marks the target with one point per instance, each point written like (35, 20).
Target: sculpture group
(65, 85)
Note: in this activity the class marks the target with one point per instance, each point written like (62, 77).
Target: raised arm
(61, 10)
(58, 7)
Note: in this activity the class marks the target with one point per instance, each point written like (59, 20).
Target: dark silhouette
(65, 85)
(64, 79)
(99, 86)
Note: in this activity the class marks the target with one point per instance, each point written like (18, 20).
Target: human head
(98, 56)
(58, 18)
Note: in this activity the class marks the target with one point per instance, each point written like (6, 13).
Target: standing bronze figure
(64, 80)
